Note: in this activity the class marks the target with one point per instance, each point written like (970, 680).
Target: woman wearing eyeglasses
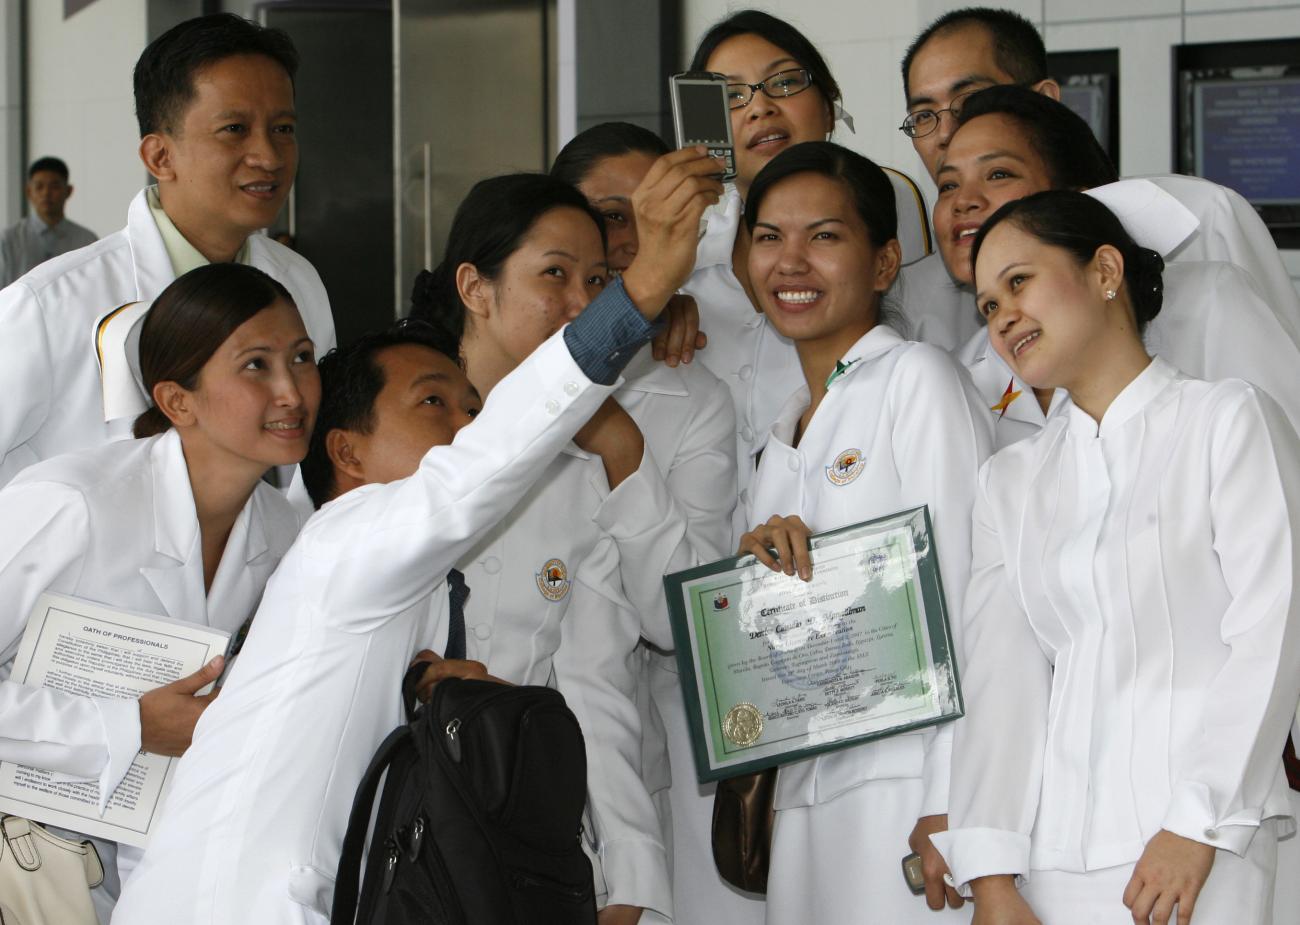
(782, 93)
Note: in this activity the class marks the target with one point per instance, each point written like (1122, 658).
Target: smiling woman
(1011, 142)
(1134, 571)
(179, 524)
(754, 51)
(824, 251)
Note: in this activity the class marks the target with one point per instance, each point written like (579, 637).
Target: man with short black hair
(215, 103)
(957, 54)
(45, 232)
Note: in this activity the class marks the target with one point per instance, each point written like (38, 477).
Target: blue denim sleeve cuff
(605, 337)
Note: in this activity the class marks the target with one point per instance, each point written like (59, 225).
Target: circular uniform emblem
(743, 724)
(847, 467)
(553, 580)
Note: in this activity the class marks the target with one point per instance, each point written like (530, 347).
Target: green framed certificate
(775, 669)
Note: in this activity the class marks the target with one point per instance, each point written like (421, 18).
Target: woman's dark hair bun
(1079, 224)
(1148, 284)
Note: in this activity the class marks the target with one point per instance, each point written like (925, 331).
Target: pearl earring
(1110, 295)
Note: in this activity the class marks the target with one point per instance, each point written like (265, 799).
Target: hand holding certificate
(776, 668)
(83, 648)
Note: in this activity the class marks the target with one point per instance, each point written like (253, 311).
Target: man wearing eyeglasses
(960, 54)
(956, 56)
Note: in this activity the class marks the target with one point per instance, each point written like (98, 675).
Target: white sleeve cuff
(121, 720)
(636, 873)
(978, 852)
(1191, 814)
(640, 503)
(935, 776)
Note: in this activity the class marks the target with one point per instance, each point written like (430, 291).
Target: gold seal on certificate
(775, 669)
(743, 724)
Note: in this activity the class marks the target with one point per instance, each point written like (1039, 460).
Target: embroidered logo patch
(553, 580)
(1010, 395)
(847, 467)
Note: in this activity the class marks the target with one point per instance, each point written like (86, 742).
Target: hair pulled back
(190, 321)
(867, 184)
(489, 227)
(608, 139)
(1079, 224)
(1070, 151)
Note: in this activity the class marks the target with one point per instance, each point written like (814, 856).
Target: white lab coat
(909, 413)
(1132, 634)
(546, 600)
(49, 371)
(260, 801)
(116, 525)
(1213, 324)
(687, 420)
(757, 364)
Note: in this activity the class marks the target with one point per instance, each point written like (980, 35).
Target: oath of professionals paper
(83, 648)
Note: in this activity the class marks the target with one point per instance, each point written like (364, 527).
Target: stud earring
(1110, 295)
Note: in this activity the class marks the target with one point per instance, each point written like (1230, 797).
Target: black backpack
(481, 815)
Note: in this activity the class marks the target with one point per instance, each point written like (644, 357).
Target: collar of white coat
(1154, 218)
(879, 340)
(175, 520)
(646, 374)
(722, 221)
(1127, 404)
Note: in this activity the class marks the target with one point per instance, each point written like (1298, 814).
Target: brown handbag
(743, 818)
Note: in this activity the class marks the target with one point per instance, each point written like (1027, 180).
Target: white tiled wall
(12, 168)
(864, 41)
(80, 105)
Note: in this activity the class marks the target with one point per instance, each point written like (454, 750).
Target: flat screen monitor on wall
(1238, 124)
(1090, 86)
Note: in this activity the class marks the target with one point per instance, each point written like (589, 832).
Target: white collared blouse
(906, 419)
(1131, 632)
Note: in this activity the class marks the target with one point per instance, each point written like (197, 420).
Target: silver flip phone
(701, 115)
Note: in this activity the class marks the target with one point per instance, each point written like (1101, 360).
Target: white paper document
(83, 648)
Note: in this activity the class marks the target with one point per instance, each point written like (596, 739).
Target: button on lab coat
(116, 525)
(260, 802)
(1132, 632)
(49, 371)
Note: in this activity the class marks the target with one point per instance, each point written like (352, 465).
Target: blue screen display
(1247, 137)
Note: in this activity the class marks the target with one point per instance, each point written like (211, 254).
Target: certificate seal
(743, 724)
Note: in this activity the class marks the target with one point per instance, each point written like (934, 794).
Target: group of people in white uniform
(1091, 386)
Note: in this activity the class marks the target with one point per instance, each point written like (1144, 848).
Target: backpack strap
(409, 681)
(348, 881)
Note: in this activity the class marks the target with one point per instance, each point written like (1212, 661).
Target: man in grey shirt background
(44, 233)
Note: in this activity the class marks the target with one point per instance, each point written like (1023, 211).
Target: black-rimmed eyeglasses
(775, 86)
